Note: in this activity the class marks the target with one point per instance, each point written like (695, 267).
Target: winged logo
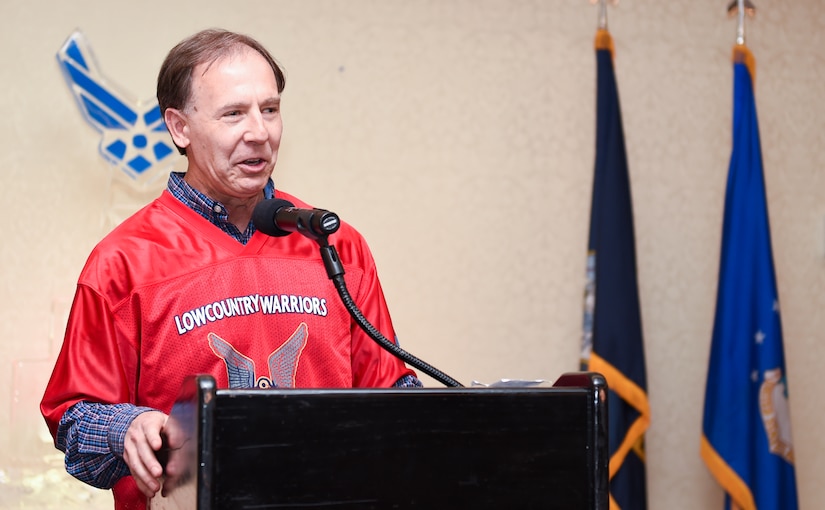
(134, 136)
(283, 362)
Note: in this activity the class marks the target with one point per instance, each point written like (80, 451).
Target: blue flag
(746, 431)
(612, 340)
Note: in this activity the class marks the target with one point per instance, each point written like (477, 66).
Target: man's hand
(139, 446)
(180, 457)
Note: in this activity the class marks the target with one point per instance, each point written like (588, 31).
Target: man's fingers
(141, 441)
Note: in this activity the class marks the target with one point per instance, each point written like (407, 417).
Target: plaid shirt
(92, 434)
(210, 209)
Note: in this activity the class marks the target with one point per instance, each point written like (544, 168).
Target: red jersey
(167, 295)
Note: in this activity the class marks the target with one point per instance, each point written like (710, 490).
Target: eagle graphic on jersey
(134, 136)
(283, 362)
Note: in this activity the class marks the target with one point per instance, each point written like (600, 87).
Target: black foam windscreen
(263, 217)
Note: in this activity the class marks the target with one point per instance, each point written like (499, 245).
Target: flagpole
(741, 7)
(612, 339)
(746, 435)
(602, 15)
(740, 22)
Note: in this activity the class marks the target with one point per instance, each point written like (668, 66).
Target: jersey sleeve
(90, 366)
(372, 365)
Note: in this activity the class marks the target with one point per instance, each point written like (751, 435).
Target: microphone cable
(317, 224)
(335, 271)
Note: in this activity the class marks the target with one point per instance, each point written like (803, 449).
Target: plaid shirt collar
(212, 210)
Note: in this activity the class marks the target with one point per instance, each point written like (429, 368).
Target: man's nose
(256, 130)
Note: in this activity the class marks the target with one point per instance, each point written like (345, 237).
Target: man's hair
(174, 87)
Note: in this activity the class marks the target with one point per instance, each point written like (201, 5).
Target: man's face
(231, 127)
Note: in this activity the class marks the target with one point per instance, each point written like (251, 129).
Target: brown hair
(174, 87)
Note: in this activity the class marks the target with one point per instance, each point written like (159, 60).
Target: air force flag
(746, 430)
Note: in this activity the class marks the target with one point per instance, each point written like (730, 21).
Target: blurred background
(458, 136)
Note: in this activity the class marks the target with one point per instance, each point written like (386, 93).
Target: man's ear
(178, 127)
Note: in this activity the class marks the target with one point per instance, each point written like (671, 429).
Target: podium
(404, 448)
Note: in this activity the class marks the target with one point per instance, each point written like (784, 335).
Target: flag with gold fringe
(612, 341)
(746, 430)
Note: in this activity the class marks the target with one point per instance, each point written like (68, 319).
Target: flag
(612, 341)
(746, 432)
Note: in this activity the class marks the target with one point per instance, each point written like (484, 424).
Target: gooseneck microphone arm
(335, 271)
(278, 217)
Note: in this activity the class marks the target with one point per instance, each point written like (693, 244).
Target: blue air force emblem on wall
(133, 134)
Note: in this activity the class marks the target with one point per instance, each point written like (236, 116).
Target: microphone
(278, 217)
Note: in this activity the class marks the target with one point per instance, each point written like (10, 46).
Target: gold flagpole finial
(739, 8)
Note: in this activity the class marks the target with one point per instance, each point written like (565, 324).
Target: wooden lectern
(413, 448)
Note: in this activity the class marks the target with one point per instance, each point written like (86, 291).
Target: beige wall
(458, 137)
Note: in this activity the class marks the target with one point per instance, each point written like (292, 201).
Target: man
(187, 286)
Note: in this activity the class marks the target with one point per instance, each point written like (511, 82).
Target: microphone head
(263, 216)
